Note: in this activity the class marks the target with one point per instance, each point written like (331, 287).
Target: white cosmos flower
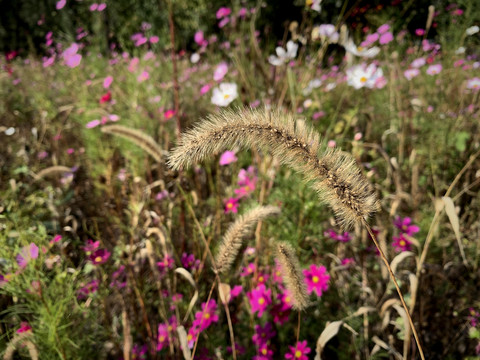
(361, 75)
(194, 58)
(472, 30)
(283, 55)
(325, 32)
(224, 94)
(351, 48)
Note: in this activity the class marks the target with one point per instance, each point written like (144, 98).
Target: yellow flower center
(315, 279)
(261, 301)
(189, 337)
(363, 79)
(298, 354)
(264, 351)
(226, 96)
(402, 243)
(229, 205)
(161, 338)
(98, 259)
(206, 316)
(247, 188)
(260, 279)
(287, 299)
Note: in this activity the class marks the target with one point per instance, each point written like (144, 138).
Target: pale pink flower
(60, 4)
(220, 71)
(434, 69)
(386, 38)
(107, 82)
(383, 29)
(101, 7)
(228, 157)
(93, 7)
(411, 73)
(143, 76)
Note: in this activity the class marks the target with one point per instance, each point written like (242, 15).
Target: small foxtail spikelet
(292, 276)
(21, 339)
(333, 174)
(232, 241)
(139, 138)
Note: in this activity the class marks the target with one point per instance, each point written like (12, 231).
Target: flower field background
(108, 252)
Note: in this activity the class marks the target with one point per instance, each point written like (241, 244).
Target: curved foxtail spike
(232, 241)
(333, 174)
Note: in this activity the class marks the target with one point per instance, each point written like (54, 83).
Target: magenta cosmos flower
(263, 334)
(401, 243)
(260, 298)
(231, 205)
(405, 225)
(317, 279)
(298, 352)
(99, 256)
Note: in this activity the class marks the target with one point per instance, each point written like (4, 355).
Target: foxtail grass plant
(333, 174)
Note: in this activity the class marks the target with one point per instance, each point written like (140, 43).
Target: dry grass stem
(138, 137)
(232, 241)
(292, 276)
(333, 174)
(21, 339)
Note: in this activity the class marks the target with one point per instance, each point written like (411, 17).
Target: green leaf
(461, 140)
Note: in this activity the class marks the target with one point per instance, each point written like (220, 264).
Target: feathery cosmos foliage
(332, 173)
(232, 241)
(137, 137)
(292, 276)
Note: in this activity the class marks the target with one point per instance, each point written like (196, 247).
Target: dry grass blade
(328, 333)
(138, 137)
(292, 276)
(190, 279)
(52, 170)
(333, 174)
(232, 241)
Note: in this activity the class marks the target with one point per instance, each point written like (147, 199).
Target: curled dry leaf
(399, 258)
(453, 217)
(328, 333)
(182, 335)
(189, 278)
(224, 293)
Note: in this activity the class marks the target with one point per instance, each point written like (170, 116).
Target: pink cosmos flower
(263, 334)
(383, 29)
(264, 353)
(132, 67)
(222, 12)
(88, 289)
(168, 114)
(101, 7)
(236, 290)
(107, 82)
(401, 243)
(248, 186)
(24, 327)
(411, 73)
(231, 205)
(154, 39)
(434, 69)
(473, 84)
(228, 157)
(27, 253)
(299, 351)
(405, 225)
(345, 237)
(259, 299)
(208, 315)
(91, 246)
(316, 279)
(93, 7)
(220, 71)
(386, 38)
(199, 39)
(166, 263)
(348, 261)
(56, 239)
(418, 63)
(222, 24)
(48, 61)
(204, 89)
(119, 278)
(189, 262)
(60, 4)
(162, 337)
(143, 76)
(248, 270)
(420, 32)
